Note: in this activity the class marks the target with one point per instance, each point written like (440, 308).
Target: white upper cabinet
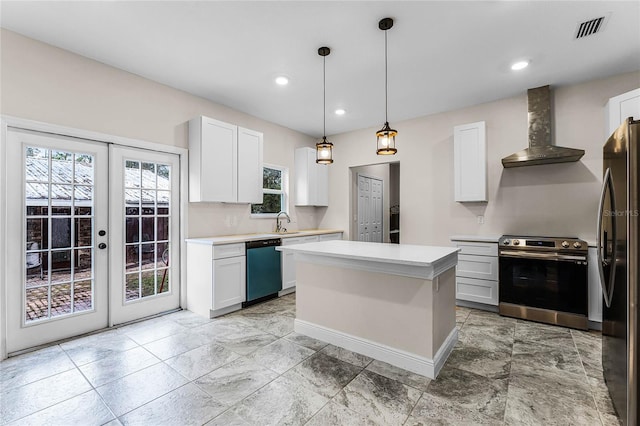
(249, 166)
(470, 162)
(621, 107)
(311, 179)
(225, 162)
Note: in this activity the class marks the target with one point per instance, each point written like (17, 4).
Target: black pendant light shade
(386, 137)
(324, 148)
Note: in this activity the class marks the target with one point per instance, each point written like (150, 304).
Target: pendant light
(386, 137)
(324, 148)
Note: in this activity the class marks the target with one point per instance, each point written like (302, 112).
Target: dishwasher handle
(272, 242)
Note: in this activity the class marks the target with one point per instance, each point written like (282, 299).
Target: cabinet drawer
(481, 267)
(228, 250)
(330, 237)
(299, 240)
(479, 249)
(474, 290)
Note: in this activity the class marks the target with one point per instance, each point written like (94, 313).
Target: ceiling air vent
(590, 27)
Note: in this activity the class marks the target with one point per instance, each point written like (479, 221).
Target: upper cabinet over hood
(540, 150)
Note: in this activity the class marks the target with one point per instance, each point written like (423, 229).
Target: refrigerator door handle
(607, 287)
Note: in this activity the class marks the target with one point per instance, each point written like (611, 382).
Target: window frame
(284, 204)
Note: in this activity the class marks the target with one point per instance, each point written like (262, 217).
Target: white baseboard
(286, 291)
(397, 357)
(223, 311)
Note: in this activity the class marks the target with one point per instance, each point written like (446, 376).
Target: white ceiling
(442, 55)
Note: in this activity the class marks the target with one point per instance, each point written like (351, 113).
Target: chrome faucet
(281, 228)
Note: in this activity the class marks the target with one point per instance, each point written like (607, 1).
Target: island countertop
(396, 259)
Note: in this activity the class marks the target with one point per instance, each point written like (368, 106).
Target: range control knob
(577, 244)
(565, 244)
(516, 242)
(506, 242)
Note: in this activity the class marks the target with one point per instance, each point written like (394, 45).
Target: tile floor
(250, 368)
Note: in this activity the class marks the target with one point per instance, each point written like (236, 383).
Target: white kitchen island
(392, 302)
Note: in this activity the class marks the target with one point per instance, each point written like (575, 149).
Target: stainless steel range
(544, 279)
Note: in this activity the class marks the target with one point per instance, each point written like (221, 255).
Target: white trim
(426, 272)
(397, 357)
(287, 291)
(7, 121)
(39, 126)
(3, 239)
(223, 311)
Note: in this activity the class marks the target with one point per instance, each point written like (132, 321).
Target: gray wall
(44, 83)
(557, 200)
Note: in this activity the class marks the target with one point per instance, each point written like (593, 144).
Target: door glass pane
(83, 169)
(148, 175)
(61, 166)
(147, 216)
(83, 234)
(53, 269)
(132, 286)
(37, 164)
(60, 299)
(82, 300)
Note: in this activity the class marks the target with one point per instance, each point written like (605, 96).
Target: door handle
(607, 287)
(102, 246)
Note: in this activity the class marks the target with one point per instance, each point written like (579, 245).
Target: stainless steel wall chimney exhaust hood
(540, 150)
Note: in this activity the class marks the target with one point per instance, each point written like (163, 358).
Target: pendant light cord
(324, 96)
(386, 85)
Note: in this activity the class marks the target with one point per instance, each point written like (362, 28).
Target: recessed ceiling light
(340, 111)
(520, 65)
(282, 80)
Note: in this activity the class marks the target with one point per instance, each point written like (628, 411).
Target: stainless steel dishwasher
(264, 273)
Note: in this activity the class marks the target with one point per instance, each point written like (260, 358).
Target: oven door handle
(544, 256)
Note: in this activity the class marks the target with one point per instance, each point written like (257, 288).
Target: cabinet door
(301, 178)
(479, 291)
(470, 162)
(481, 267)
(249, 166)
(322, 183)
(330, 237)
(216, 160)
(312, 177)
(621, 107)
(288, 260)
(229, 281)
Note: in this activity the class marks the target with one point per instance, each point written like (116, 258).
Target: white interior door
(145, 234)
(57, 275)
(369, 209)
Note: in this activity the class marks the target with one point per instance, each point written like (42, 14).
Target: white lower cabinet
(479, 291)
(216, 278)
(288, 260)
(477, 272)
(229, 277)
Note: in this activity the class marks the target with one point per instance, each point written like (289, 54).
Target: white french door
(369, 209)
(145, 233)
(93, 236)
(57, 276)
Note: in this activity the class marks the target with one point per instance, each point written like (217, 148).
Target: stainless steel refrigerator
(618, 238)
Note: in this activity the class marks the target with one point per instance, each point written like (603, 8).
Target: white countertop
(241, 238)
(398, 259)
(476, 238)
